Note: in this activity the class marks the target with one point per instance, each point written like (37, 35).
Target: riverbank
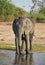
(7, 37)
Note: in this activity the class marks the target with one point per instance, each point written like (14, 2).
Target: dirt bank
(7, 35)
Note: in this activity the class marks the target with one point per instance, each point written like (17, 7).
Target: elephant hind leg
(16, 45)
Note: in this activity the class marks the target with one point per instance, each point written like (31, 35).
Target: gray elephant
(23, 26)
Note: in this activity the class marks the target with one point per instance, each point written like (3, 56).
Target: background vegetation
(9, 11)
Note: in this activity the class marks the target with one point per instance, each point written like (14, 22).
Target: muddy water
(10, 58)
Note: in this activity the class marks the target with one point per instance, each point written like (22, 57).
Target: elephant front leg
(19, 43)
(23, 47)
(27, 45)
(17, 47)
(31, 37)
(30, 44)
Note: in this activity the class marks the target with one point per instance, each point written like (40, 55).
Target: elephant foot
(17, 52)
(30, 52)
(19, 49)
(23, 52)
(26, 52)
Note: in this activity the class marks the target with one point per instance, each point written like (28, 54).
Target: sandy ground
(39, 34)
(7, 35)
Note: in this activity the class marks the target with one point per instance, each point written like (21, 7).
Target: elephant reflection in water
(23, 60)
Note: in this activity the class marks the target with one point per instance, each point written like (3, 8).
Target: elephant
(23, 26)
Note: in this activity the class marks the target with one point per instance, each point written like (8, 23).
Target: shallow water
(10, 58)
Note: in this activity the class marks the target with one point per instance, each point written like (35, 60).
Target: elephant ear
(15, 26)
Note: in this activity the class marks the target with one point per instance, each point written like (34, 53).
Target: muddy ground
(7, 35)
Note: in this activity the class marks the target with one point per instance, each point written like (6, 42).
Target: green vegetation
(6, 8)
(42, 13)
(39, 48)
(9, 11)
(38, 15)
(11, 46)
(7, 46)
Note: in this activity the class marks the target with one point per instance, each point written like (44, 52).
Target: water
(10, 58)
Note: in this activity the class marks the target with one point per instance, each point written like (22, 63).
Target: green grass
(39, 48)
(11, 46)
(8, 46)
